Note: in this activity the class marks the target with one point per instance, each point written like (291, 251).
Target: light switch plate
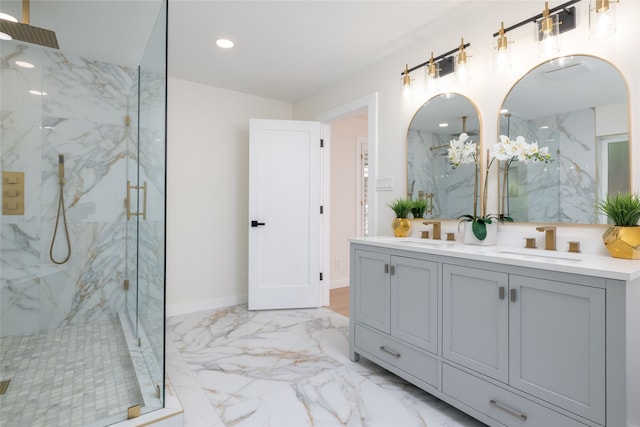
(384, 183)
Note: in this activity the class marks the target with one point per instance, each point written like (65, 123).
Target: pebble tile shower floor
(69, 376)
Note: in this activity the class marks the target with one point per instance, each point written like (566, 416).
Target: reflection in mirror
(429, 174)
(578, 107)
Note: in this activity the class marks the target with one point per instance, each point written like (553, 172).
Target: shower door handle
(144, 200)
(255, 223)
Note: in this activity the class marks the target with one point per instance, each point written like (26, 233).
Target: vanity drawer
(499, 404)
(398, 354)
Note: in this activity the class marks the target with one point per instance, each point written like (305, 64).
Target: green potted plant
(418, 208)
(622, 239)
(401, 224)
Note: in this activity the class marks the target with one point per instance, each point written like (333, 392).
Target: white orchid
(462, 152)
(509, 150)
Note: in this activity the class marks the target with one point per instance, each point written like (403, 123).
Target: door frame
(368, 104)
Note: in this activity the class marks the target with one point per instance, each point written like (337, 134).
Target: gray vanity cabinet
(557, 344)
(395, 312)
(542, 337)
(510, 345)
(475, 323)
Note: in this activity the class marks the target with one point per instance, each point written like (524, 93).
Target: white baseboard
(340, 283)
(210, 304)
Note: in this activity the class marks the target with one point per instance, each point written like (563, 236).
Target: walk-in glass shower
(82, 231)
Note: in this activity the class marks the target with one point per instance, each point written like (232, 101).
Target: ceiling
(284, 50)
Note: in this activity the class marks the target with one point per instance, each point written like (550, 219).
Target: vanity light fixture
(406, 82)
(502, 51)
(437, 66)
(462, 71)
(549, 24)
(602, 19)
(433, 73)
(547, 30)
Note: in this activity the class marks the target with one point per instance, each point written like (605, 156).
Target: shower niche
(82, 320)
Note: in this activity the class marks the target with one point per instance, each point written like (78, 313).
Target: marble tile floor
(69, 376)
(288, 368)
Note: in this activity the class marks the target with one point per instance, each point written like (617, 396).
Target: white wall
(343, 212)
(207, 201)
(208, 138)
(476, 22)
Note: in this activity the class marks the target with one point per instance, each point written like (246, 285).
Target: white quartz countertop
(565, 262)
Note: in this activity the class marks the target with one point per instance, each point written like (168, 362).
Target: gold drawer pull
(508, 411)
(389, 351)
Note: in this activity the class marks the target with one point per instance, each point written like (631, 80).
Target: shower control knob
(255, 223)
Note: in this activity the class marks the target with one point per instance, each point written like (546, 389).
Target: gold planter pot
(623, 242)
(401, 227)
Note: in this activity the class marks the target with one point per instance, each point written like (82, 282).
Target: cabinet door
(414, 302)
(474, 319)
(557, 344)
(372, 290)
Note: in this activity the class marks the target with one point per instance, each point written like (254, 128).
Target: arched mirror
(578, 107)
(448, 191)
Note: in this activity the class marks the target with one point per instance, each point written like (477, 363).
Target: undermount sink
(536, 253)
(420, 241)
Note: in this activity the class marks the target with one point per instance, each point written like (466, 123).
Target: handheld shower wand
(64, 214)
(61, 168)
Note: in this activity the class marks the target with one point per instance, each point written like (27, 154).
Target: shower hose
(62, 210)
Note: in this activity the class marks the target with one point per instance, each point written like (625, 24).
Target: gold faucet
(436, 229)
(549, 237)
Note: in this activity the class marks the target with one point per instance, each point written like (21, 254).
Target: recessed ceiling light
(7, 17)
(224, 43)
(443, 125)
(24, 64)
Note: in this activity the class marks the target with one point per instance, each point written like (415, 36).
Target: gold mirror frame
(578, 158)
(449, 192)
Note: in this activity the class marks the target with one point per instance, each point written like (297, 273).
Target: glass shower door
(146, 216)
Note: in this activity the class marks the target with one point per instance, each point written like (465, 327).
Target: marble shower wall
(562, 191)
(82, 115)
(429, 168)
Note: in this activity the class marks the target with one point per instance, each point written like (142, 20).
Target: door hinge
(322, 209)
(320, 276)
(321, 143)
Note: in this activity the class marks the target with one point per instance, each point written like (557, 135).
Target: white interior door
(285, 252)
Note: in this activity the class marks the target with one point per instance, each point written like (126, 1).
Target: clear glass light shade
(462, 72)
(432, 80)
(547, 30)
(502, 54)
(602, 19)
(407, 88)
(408, 85)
